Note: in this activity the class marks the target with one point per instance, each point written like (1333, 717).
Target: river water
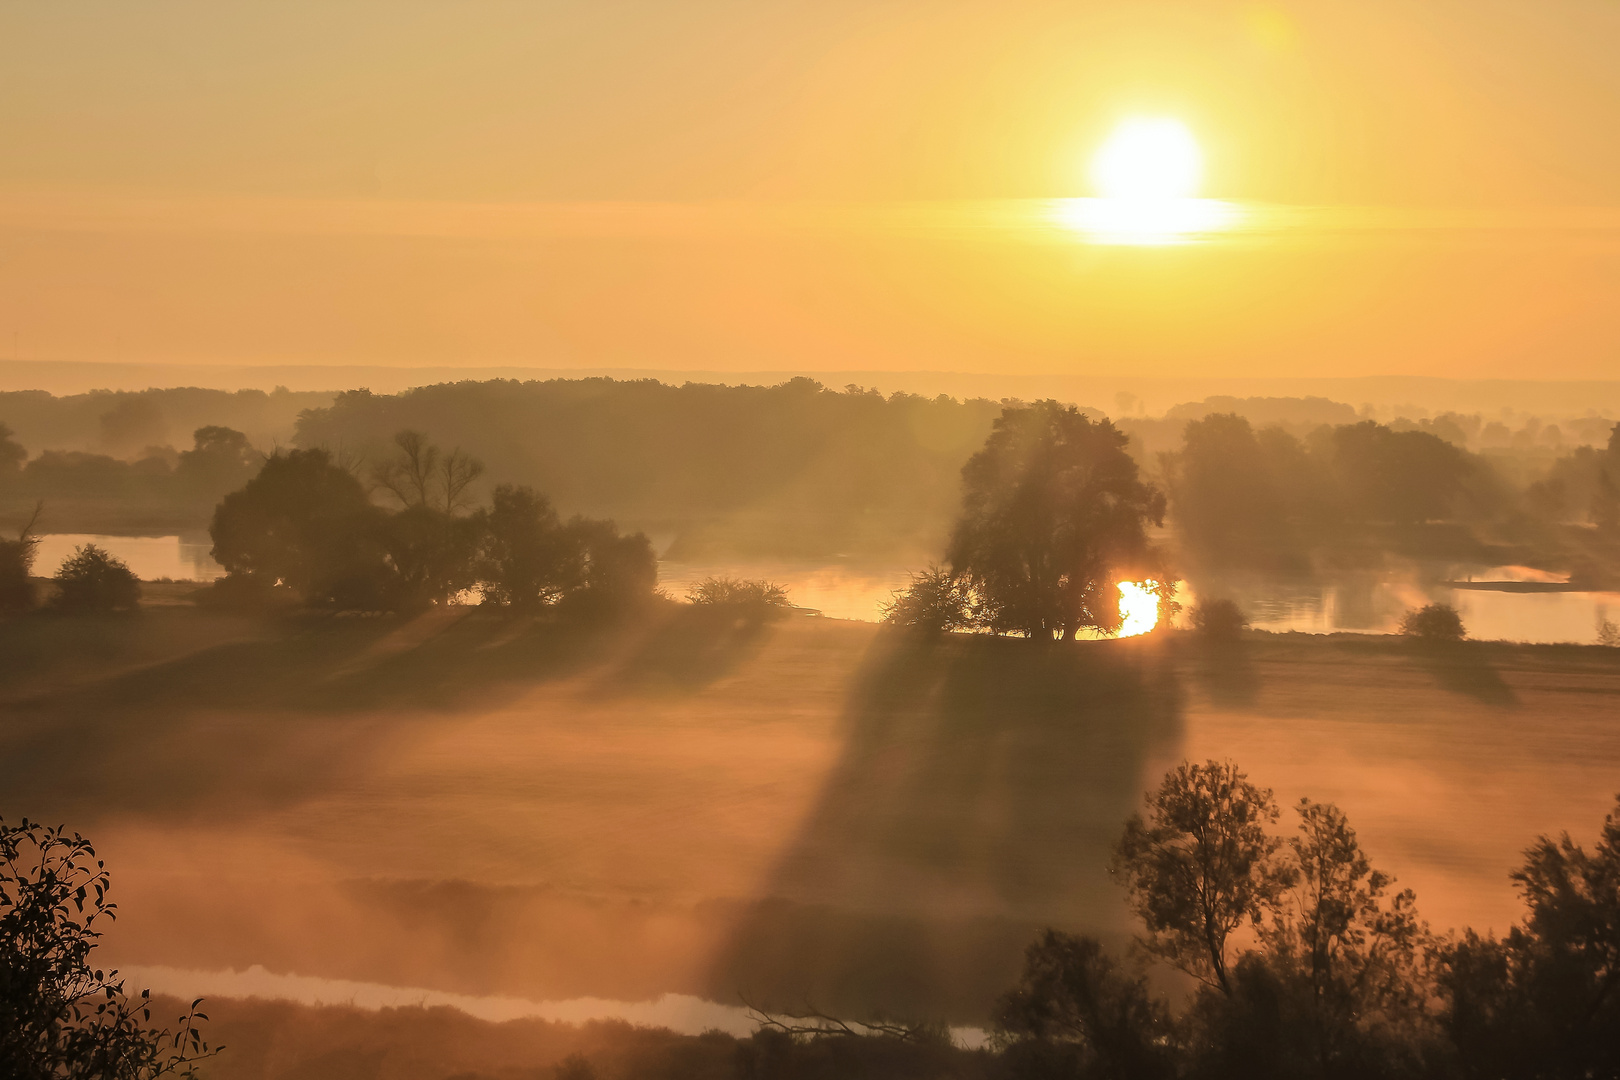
(1368, 603)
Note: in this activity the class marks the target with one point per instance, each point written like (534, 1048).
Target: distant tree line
(306, 529)
(162, 486)
(1271, 500)
(802, 470)
(791, 470)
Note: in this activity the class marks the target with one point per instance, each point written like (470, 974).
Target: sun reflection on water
(1138, 607)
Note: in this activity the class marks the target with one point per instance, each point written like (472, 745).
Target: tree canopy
(1053, 510)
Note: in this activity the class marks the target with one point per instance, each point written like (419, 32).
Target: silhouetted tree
(619, 569)
(1337, 989)
(1434, 622)
(1076, 1013)
(1219, 620)
(936, 602)
(304, 522)
(1053, 509)
(12, 454)
(17, 566)
(60, 1018)
(1404, 477)
(527, 558)
(93, 579)
(431, 554)
(1605, 512)
(1201, 866)
(1224, 494)
(1545, 1001)
(420, 475)
(219, 461)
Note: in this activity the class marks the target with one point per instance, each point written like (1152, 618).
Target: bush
(1221, 620)
(755, 601)
(936, 601)
(17, 563)
(1434, 622)
(92, 579)
(60, 1016)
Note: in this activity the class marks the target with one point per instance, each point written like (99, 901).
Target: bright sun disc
(1147, 175)
(1149, 159)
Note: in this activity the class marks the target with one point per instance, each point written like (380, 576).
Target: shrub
(60, 1016)
(1221, 620)
(752, 600)
(936, 601)
(1434, 622)
(92, 579)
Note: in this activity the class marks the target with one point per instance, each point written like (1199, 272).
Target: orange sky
(807, 185)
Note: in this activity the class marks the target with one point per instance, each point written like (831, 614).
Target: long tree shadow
(1464, 667)
(982, 785)
(686, 650)
(1226, 671)
(253, 724)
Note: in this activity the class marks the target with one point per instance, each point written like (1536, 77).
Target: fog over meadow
(812, 809)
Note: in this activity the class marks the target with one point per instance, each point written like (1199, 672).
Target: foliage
(1608, 633)
(419, 475)
(1053, 510)
(17, 565)
(1348, 951)
(12, 454)
(306, 523)
(220, 460)
(619, 569)
(60, 1018)
(430, 556)
(1545, 1001)
(1201, 866)
(1219, 620)
(793, 470)
(748, 600)
(1434, 622)
(92, 579)
(935, 602)
(526, 558)
(1076, 1013)
(1272, 500)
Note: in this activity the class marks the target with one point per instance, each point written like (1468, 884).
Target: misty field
(817, 810)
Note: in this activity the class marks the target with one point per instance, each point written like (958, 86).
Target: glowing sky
(1426, 188)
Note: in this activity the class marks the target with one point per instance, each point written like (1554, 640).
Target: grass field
(819, 810)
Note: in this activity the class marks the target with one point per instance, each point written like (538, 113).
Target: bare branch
(812, 1023)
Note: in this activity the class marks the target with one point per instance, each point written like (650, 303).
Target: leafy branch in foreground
(60, 1018)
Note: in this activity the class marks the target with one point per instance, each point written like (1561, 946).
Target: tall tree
(1053, 509)
(1201, 866)
(528, 559)
(306, 523)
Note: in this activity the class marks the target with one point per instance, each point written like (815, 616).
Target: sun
(1147, 175)
(1148, 159)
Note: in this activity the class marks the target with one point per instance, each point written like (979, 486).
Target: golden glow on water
(1138, 607)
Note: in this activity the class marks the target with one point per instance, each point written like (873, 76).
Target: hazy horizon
(810, 187)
